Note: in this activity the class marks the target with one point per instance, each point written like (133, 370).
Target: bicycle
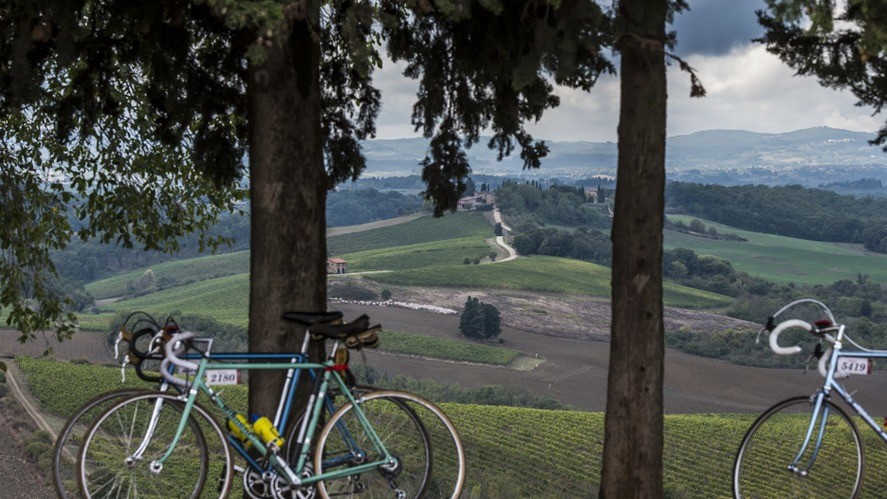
(143, 349)
(808, 446)
(351, 456)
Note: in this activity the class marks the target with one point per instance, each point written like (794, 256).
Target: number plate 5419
(853, 365)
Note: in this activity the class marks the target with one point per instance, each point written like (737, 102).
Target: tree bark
(288, 203)
(632, 464)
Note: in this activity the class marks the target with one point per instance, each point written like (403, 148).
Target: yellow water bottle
(267, 432)
(235, 430)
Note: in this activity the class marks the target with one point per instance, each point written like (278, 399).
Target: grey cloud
(714, 27)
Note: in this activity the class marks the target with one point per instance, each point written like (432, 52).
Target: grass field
(418, 231)
(448, 252)
(515, 452)
(784, 259)
(540, 274)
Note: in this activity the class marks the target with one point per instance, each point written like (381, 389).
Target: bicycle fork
(814, 436)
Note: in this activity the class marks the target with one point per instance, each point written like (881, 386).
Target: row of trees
(582, 244)
(792, 211)
(358, 206)
(561, 205)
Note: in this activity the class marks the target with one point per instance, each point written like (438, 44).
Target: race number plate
(222, 377)
(853, 365)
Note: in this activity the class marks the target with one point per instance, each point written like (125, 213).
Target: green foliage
(792, 211)
(482, 67)
(358, 206)
(480, 321)
(560, 205)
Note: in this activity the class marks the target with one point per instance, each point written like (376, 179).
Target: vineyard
(441, 348)
(175, 273)
(515, 452)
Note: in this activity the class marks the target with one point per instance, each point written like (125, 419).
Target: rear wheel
(344, 443)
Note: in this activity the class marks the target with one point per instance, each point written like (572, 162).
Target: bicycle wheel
(834, 467)
(403, 438)
(67, 445)
(118, 451)
(406, 420)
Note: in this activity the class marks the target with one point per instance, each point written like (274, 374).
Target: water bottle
(235, 430)
(267, 432)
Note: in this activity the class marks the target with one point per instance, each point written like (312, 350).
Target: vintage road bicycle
(808, 446)
(375, 444)
(145, 337)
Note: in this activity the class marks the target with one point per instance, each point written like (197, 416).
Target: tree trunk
(632, 464)
(288, 203)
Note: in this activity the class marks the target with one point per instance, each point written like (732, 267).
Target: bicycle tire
(761, 468)
(410, 480)
(106, 467)
(412, 422)
(67, 444)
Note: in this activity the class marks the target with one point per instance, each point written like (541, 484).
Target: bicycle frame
(330, 372)
(820, 410)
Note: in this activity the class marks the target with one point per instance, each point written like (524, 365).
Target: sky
(747, 88)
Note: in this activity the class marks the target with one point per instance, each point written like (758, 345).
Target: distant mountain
(706, 151)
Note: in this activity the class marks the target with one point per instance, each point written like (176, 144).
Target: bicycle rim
(774, 440)
(385, 411)
(67, 445)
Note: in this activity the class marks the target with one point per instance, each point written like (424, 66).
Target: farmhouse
(480, 199)
(336, 266)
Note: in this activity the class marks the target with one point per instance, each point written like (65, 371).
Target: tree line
(792, 211)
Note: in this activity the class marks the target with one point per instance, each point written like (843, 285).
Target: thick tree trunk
(288, 203)
(633, 429)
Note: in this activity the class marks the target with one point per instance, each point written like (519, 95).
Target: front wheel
(408, 475)
(830, 466)
(117, 453)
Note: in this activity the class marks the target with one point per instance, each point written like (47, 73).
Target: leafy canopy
(844, 47)
(127, 121)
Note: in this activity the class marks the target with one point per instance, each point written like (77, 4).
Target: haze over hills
(809, 157)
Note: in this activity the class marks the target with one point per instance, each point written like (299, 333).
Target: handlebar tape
(774, 336)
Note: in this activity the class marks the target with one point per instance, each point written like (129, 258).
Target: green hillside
(175, 273)
(451, 252)
(784, 259)
(418, 231)
(541, 274)
(514, 452)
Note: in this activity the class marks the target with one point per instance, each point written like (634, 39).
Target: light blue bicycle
(808, 446)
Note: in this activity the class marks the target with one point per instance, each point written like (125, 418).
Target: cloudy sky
(748, 89)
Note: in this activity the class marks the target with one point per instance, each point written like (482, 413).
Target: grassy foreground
(514, 452)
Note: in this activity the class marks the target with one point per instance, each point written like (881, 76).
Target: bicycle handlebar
(774, 336)
(172, 349)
